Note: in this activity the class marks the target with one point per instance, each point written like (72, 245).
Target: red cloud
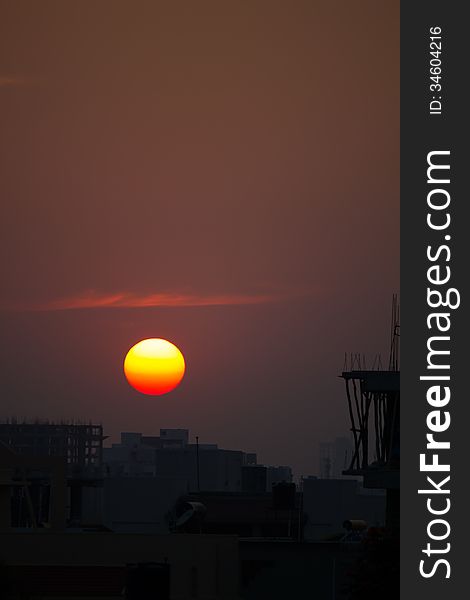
(130, 300)
(13, 81)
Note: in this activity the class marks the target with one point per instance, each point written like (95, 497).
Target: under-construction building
(80, 444)
(49, 468)
(374, 409)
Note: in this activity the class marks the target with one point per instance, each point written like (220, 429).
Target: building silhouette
(77, 518)
(334, 458)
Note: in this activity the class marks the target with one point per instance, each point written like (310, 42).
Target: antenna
(197, 464)
(394, 359)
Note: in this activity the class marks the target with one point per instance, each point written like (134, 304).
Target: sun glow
(154, 366)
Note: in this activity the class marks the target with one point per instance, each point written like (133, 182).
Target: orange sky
(213, 150)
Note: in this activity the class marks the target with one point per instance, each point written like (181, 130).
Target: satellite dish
(185, 517)
(190, 511)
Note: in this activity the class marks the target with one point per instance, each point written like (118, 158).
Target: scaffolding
(374, 411)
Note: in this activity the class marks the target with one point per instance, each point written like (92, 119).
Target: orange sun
(154, 366)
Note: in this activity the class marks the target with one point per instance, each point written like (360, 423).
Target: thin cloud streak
(94, 300)
(13, 81)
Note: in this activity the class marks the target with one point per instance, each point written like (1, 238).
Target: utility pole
(197, 464)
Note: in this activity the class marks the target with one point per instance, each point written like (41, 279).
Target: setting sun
(154, 366)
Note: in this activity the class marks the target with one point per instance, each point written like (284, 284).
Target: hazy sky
(236, 162)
